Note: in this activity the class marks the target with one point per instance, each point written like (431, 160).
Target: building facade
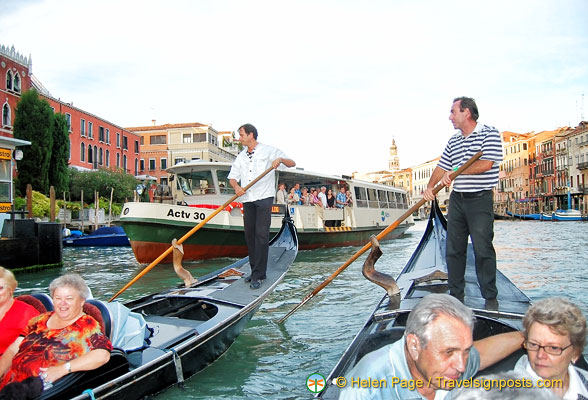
(94, 142)
(165, 145)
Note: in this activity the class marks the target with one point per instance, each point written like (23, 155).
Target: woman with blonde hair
(14, 314)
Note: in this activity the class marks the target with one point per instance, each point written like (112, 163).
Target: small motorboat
(103, 236)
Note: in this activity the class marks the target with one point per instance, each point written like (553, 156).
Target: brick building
(94, 142)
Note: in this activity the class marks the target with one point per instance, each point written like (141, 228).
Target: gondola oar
(188, 234)
(380, 235)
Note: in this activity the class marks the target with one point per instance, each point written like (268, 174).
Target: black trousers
(471, 214)
(257, 218)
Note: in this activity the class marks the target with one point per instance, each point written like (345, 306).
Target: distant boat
(527, 217)
(104, 236)
(569, 215)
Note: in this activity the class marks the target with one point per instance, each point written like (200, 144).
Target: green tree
(102, 181)
(58, 166)
(33, 122)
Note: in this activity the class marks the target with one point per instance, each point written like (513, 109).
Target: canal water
(272, 361)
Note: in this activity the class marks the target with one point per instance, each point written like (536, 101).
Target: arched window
(82, 152)
(107, 158)
(136, 166)
(100, 157)
(9, 80)
(17, 82)
(90, 158)
(117, 160)
(125, 162)
(6, 117)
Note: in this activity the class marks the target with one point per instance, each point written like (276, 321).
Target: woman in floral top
(59, 342)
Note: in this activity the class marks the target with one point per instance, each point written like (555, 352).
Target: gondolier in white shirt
(471, 204)
(257, 201)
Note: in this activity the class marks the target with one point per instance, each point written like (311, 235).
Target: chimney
(153, 122)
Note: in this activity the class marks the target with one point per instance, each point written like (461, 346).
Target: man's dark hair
(248, 128)
(470, 104)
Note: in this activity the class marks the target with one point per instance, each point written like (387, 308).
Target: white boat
(199, 188)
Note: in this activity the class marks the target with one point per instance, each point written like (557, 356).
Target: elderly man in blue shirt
(436, 351)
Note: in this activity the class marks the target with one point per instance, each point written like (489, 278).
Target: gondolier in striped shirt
(471, 211)
(257, 202)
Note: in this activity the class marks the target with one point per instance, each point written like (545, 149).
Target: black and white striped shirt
(459, 149)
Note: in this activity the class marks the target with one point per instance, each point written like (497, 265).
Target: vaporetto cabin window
(361, 197)
(372, 198)
(196, 183)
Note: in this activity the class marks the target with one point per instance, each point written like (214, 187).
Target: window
(372, 198)
(68, 119)
(101, 134)
(118, 140)
(360, 197)
(196, 183)
(187, 138)
(90, 130)
(163, 162)
(142, 165)
(107, 158)
(90, 158)
(82, 127)
(9, 80)
(223, 182)
(82, 152)
(383, 199)
(125, 162)
(6, 115)
(152, 164)
(17, 83)
(159, 139)
(100, 155)
(5, 180)
(142, 140)
(125, 144)
(117, 160)
(136, 147)
(179, 160)
(136, 166)
(108, 136)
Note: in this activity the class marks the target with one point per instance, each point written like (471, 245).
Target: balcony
(582, 165)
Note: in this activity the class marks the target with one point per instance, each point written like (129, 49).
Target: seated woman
(555, 335)
(58, 342)
(14, 314)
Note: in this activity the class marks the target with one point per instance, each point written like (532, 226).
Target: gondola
(425, 273)
(103, 236)
(191, 328)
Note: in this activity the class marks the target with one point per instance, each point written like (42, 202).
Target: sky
(329, 82)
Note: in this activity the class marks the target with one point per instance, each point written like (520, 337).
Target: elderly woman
(555, 335)
(59, 342)
(14, 314)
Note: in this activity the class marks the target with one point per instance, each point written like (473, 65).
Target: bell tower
(393, 161)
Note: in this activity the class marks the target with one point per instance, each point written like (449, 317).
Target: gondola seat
(100, 312)
(379, 339)
(33, 301)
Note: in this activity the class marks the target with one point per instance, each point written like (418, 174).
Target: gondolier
(257, 202)
(471, 211)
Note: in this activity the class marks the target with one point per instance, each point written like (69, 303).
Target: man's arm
(495, 348)
(235, 185)
(286, 161)
(438, 174)
(478, 167)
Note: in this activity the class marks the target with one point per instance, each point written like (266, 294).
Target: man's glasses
(553, 350)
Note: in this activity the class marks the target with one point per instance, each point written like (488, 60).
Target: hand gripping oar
(380, 235)
(188, 234)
